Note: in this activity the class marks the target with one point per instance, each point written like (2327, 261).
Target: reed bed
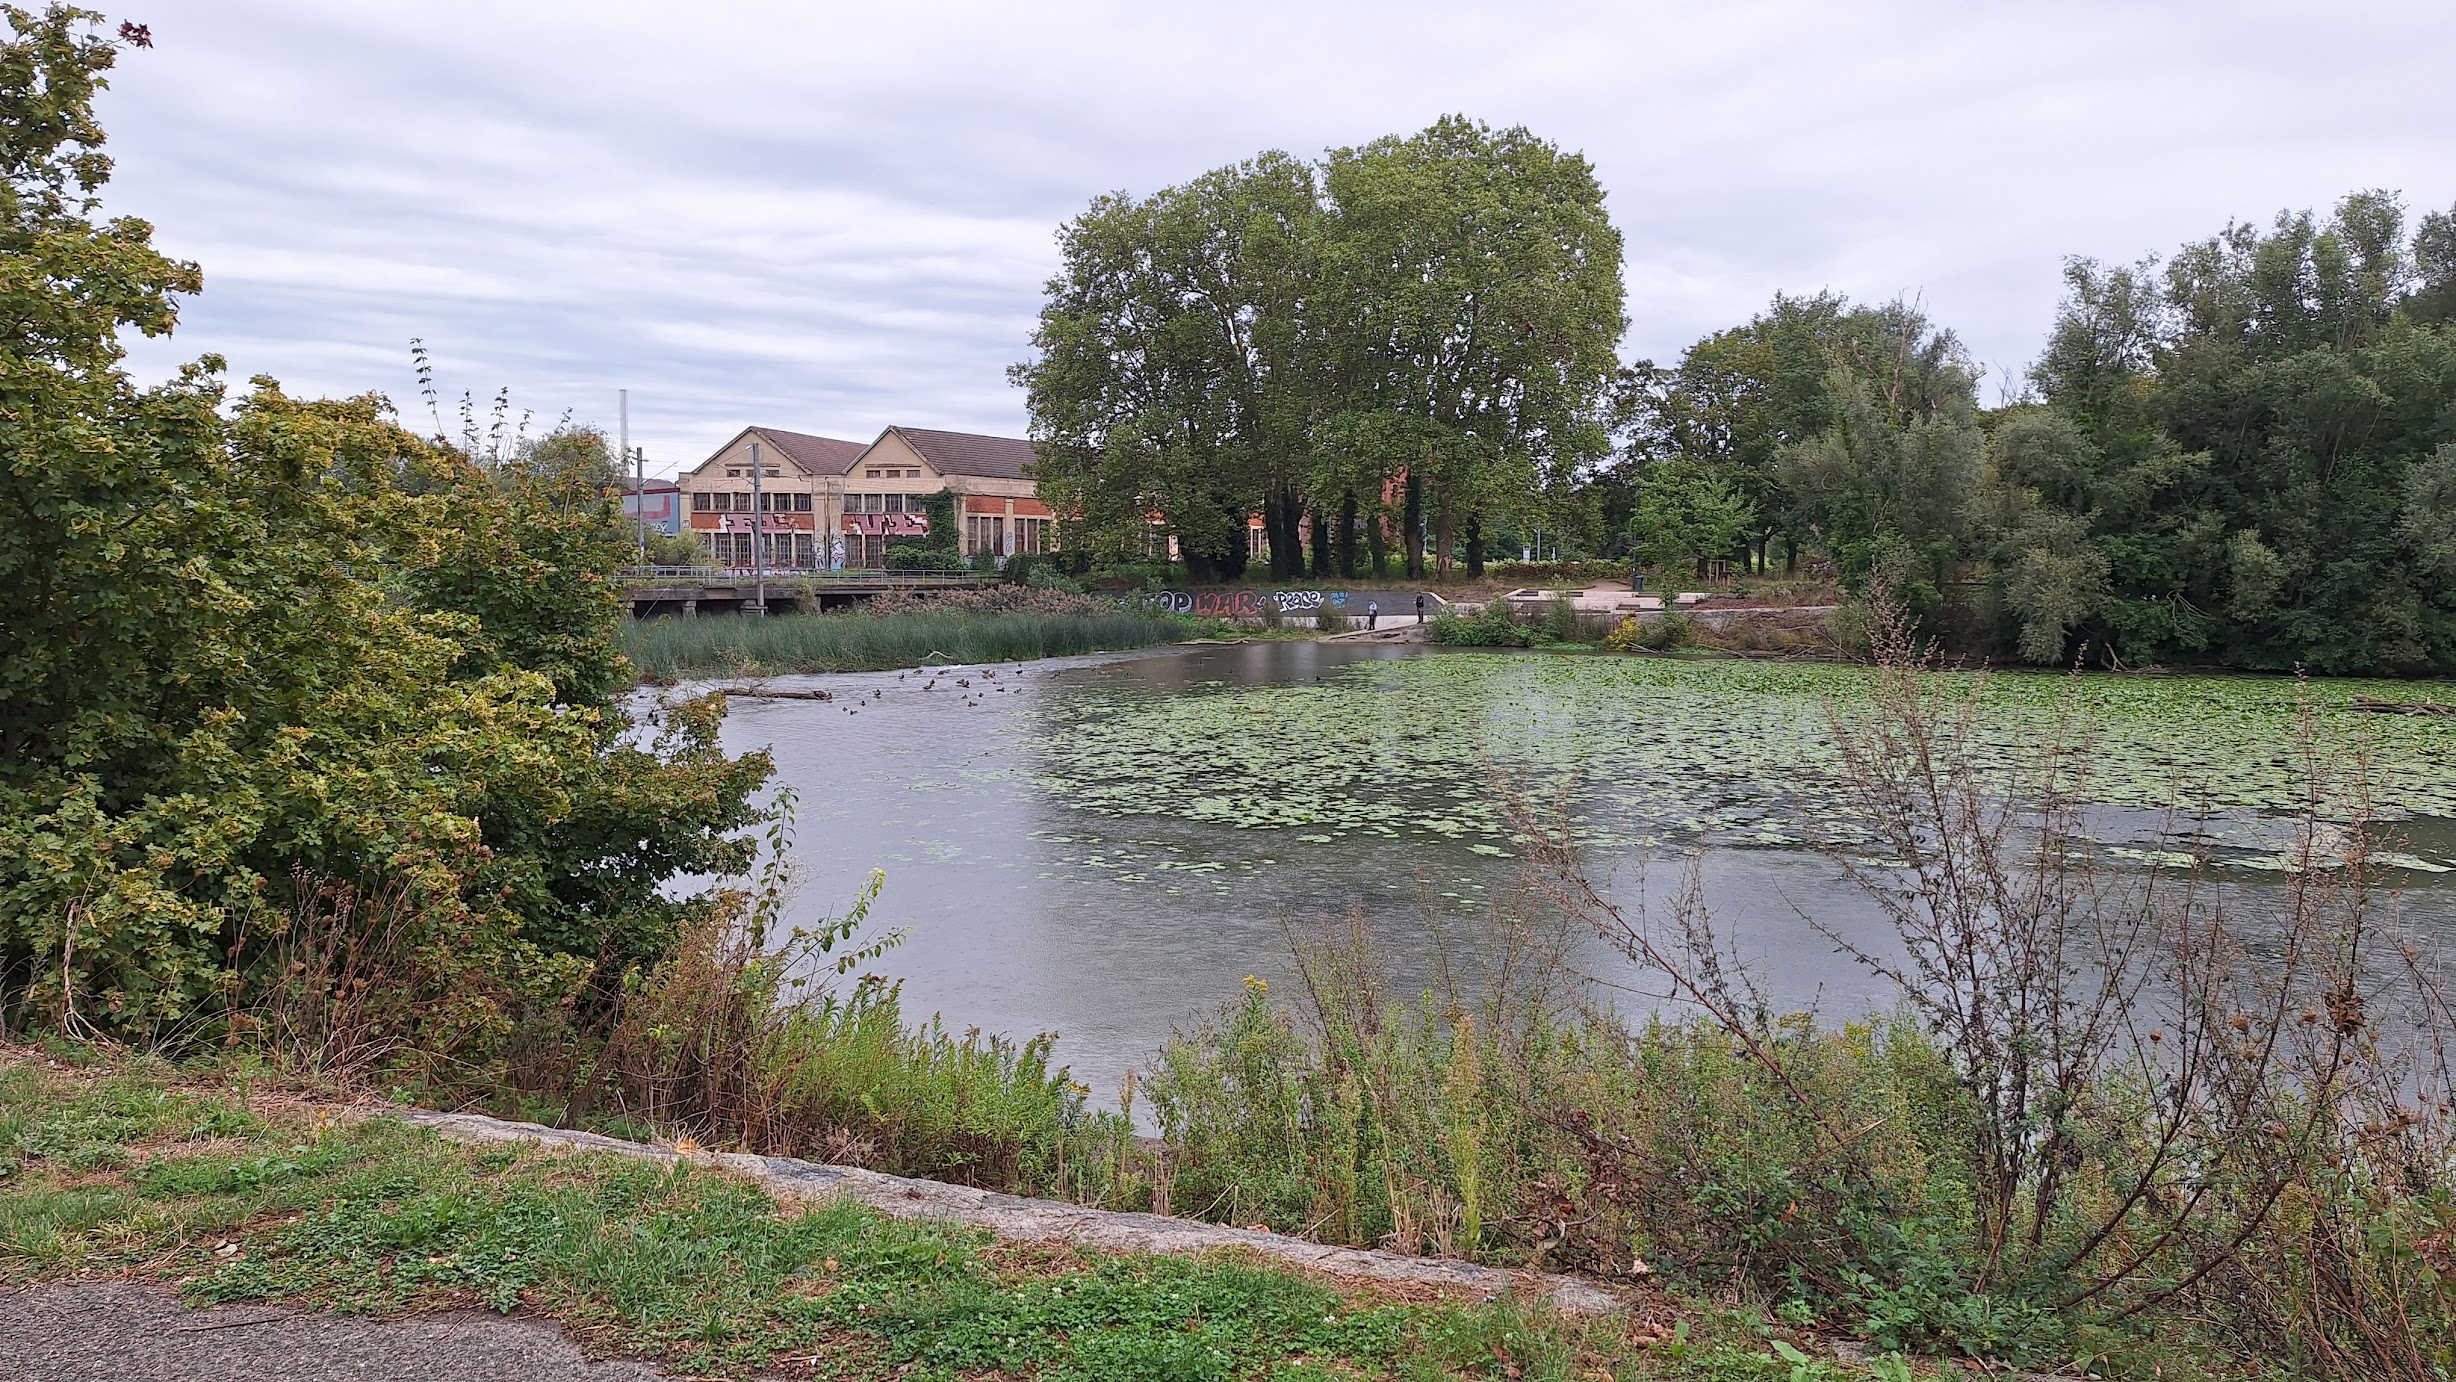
(664, 650)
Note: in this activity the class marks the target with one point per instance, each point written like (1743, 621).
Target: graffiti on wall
(888, 524)
(1241, 604)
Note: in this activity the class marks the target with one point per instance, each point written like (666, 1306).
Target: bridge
(688, 591)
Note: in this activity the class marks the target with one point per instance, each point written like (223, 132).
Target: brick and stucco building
(828, 503)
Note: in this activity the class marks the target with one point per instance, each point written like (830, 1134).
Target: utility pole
(758, 532)
(639, 472)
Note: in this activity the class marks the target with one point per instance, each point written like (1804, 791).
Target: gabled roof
(967, 453)
(818, 455)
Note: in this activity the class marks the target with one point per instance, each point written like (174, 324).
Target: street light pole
(639, 475)
(758, 532)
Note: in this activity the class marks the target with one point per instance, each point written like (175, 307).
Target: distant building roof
(818, 455)
(965, 453)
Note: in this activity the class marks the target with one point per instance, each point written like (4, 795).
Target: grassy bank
(667, 649)
(127, 1168)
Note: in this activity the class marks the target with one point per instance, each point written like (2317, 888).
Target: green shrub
(921, 556)
(1330, 618)
(1040, 575)
(1487, 626)
(1662, 633)
(676, 549)
(1561, 622)
(1135, 575)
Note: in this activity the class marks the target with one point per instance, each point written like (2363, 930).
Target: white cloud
(834, 217)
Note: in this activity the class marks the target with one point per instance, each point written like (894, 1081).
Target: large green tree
(1801, 408)
(1432, 315)
(1170, 369)
(2251, 444)
(248, 652)
(1472, 308)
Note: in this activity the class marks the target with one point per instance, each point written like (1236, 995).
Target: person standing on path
(1419, 609)
(1372, 613)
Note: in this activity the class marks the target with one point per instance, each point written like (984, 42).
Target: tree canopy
(2241, 455)
(1419, 329)
(250, 648)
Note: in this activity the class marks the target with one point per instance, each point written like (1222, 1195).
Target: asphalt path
(120, 1331)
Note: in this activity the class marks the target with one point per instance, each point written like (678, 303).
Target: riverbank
(1821, 1173)
(133, 1170)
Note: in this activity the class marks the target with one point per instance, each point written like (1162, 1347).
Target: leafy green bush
(676, 549)
(1548, 573)
(1487, 626)
(1135, 575)
(920, 556)
(1659, 634)
(316, 647)
(1561, 622)
(1042, 575)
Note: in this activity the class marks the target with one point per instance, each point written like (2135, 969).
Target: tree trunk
(1279, 517)
(1475, 547)
(1441, 539)
(1232, 557)
(1347, 536)
(1321, 542)
(1413, 536)
(1377, 544)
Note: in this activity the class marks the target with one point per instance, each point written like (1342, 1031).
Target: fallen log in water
(2379, 707)
(763, 694)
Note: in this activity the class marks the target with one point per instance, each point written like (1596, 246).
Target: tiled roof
(964, 453)
(818, 455)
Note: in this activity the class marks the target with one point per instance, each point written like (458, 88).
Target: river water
(1105, 847)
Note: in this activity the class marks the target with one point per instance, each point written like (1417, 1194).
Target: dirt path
(119, 1331)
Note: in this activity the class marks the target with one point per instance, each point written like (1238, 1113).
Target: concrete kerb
(1024, 1219)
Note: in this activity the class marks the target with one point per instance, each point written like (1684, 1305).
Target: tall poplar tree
(1471, 310)
(1170, 378)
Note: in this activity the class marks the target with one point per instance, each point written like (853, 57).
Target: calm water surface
(1104, 847)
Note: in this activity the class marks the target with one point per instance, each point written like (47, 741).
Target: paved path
(118, 1331)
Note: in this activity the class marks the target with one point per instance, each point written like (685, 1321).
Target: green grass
(125, 1171)
(665, 649)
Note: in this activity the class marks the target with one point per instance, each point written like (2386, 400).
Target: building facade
(656, 503)
(827, 504)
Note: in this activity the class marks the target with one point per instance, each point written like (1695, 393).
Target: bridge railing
(739, 575)
(665, 573)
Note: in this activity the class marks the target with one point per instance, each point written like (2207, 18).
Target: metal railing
(869, 576)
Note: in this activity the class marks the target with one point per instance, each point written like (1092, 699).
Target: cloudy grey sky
(829, 217)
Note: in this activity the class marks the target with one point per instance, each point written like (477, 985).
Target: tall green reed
(664, 650)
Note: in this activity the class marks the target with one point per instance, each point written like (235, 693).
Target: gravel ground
(118, 1331)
